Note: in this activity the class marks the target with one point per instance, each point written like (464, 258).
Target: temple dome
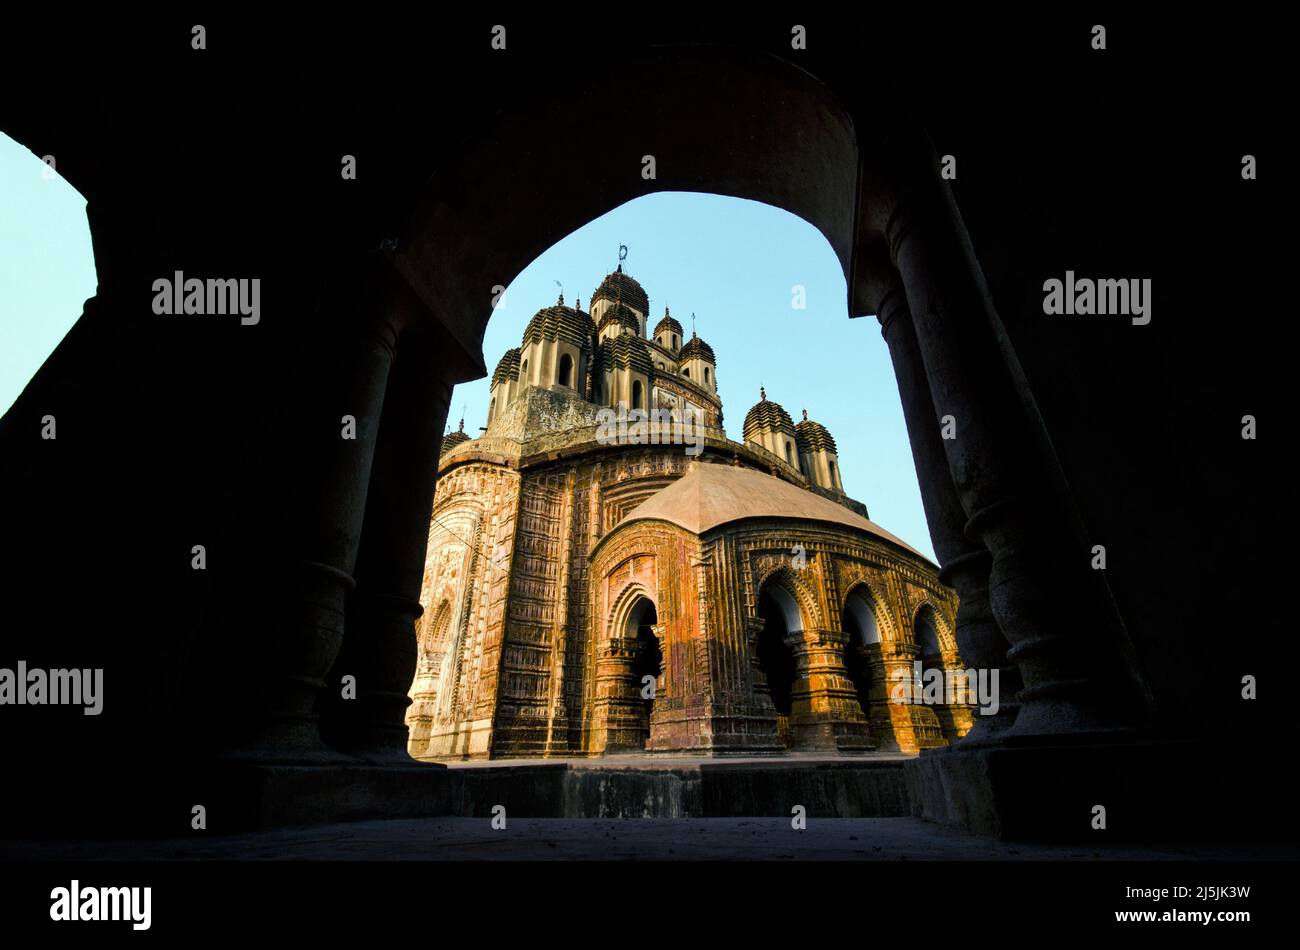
(767, 415)
(621, 314)
(695, 347)
(621, 288)
(710, 495)
(453, 439)
(813, 436)
(669, 324)
(624, 350)
(559, 323)
(508, 368)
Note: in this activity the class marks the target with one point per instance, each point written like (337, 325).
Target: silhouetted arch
(564, 375)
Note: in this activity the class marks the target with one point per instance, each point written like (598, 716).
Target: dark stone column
(964, 563)
(294, 602)
(1069, 653)
(380, 648)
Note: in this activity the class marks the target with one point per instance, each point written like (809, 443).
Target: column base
(1154, 789)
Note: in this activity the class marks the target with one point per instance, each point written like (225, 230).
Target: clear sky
(47, 268)
(732, 263)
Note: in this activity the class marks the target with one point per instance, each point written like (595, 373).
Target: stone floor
(680, 839)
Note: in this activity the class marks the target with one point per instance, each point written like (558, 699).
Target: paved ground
(680, 839)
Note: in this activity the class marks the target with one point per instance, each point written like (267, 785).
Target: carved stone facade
(592, 590)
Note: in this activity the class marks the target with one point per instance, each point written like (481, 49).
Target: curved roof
(813, 436)
(619, 287)
(697, 347)
(624, 350)
(508, 368)
(453, 439)
(622, 314)
(559, 323)
(767, 415)
(710, 495)
(670, 324)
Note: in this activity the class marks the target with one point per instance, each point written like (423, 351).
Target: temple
(588, 595)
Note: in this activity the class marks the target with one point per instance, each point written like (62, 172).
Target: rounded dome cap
(559, 323)
(453, 439)
(621, 288)
(813, 436)
(624, 350)
(767, 415)
(620, 314)
(670, 324)
(695, 347)
(508, 368)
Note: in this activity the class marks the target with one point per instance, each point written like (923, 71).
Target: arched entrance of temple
(647, 664)
(864, 661)
(780, 616)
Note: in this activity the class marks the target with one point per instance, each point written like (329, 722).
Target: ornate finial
(762, 394)
(692, 325)
(666, 311)
(622, 256)
(805, 415)
(561, 301)
(577, 303)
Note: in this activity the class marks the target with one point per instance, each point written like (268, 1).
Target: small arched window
(492, 410)
(835, 479)
(565, 374)
(523, 372)
(789, 453)
(674, 341)
(706, 375)
(686, 371)
(636, 394)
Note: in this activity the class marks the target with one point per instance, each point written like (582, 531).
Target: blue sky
(47, 268)
(732, 263)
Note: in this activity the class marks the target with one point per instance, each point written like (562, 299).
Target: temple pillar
(380, 649)
(964, 563)
(617, 720)
(297, 602)
(1063, 641)
(915, 724)
(824, 710)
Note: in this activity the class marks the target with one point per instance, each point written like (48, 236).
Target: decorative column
(380, 649)
(916, 726)
(1069, 648)
(617, 721)
(824, 710)
(964, 563)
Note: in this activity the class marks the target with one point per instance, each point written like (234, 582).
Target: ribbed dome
(625, 350)
(453, 439)
(813, 436)
(508, 368)
(559, 323)
(696, 347)
(621, 314)
(618, 286)
(668, 324)
(767, 415)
